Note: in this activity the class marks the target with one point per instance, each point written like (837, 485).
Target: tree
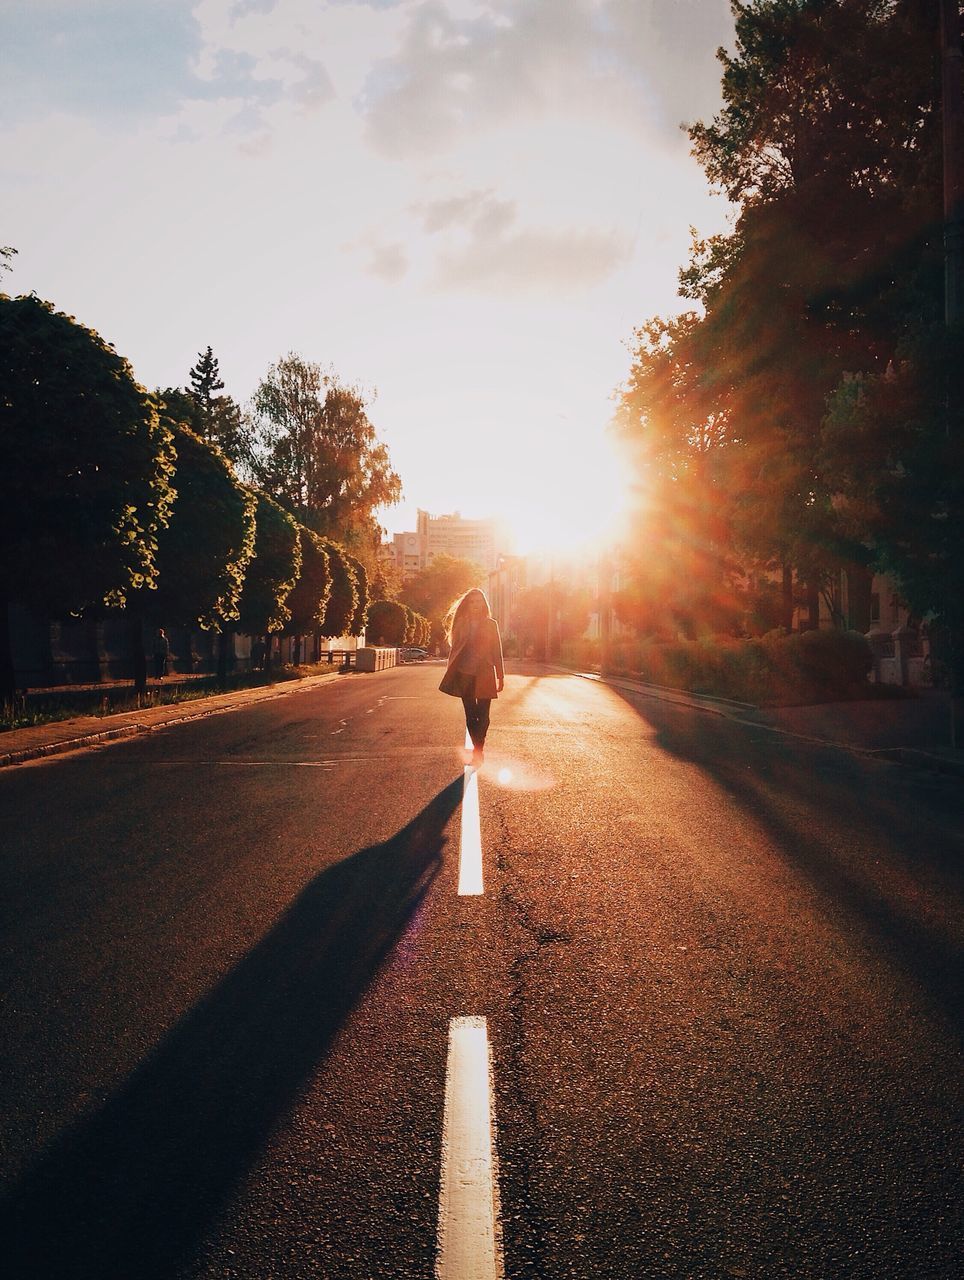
(315, 450)
(203, 553)
(433, 588)
(85, 483)
(827, 141)
(343, 600)
(546, 614)
(273, 571)
(308, 601)
(206, 381)
(360, 617)
(387, 622)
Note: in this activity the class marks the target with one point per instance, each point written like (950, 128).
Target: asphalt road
(719, 967)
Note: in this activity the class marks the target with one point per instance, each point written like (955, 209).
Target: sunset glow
(463, 207)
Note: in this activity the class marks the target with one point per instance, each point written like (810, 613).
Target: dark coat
(491, 671)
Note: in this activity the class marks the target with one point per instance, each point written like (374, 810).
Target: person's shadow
(129, 1191)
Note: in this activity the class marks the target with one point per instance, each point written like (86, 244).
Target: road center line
(470, 842)
(469, 1231)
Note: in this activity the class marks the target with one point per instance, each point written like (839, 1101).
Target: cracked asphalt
(720, 970)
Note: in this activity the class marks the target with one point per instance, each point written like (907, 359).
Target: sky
(463, 206)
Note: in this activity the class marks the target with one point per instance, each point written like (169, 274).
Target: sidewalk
(20, 745)
(913, 731)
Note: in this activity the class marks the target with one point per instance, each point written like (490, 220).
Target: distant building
(450, 535)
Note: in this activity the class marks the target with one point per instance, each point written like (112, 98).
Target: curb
(64, 745)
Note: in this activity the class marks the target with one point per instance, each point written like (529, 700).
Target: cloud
(484, 251)
(479, 210)
(534, 261)
(454, 75)
(389, 262)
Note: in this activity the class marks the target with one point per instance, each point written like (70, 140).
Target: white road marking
(470, 843)
(258, 764)
(469, 1230)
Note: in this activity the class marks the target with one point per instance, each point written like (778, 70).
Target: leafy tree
(343, 601)
(315, 449)
(7, 254)
(549, 613)
(387, 622)
(360, 618)
(308, 600)
(86, 477)
(385, 578)
(273, 571)
(433, 588)
(827, 142)
(411, 624)
(204, 552)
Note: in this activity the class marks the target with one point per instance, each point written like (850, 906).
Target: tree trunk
(222, 659)
(267, 652)
(135, 635)
(813, 607)
(8, 680)
(788, 597)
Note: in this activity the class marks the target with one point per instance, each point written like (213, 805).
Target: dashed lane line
(469, 1228)
(470, 843)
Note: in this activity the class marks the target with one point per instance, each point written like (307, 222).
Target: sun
(574, 503)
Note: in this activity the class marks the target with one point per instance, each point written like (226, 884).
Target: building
(481, 541)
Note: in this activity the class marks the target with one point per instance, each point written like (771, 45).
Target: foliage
(86, 476)
(217, 417)
(360, 617)
(433, 588)
(544, 615)
(315, 450)
(387, 622)
(273, 571)
(780, 668)
(203, 554)
(343, 601)
(308, 600)
(829, 142)
(205, 379)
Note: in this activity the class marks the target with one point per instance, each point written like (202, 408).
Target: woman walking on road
(475, 672)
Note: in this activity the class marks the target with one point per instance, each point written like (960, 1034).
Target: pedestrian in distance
(475, 671)
(162, 647)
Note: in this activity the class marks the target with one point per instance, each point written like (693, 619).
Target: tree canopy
(273, 571)
(87, 464)
(828, 140)
(308, 601)
(203, 554)
(314, 449)
(343, 601)
(387, 622)
(433, 588)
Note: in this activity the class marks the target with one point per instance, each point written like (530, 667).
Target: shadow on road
(822, 810)
(129, 1192)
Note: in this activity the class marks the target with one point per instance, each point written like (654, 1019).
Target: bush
(814, 666)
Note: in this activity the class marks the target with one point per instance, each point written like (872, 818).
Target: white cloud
(539, 261)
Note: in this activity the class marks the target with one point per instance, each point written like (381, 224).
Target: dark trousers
(477, 718)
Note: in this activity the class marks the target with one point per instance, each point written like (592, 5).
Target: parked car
(414, 655)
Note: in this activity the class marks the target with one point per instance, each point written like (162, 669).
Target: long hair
(458, 611)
